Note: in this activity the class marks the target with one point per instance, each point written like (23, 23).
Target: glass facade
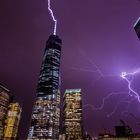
(4, 102)
(72, 110)
(46, 110)
(137, 27)
(12, 121)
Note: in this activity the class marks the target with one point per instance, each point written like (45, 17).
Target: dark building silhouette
(46, 110)
(120, 131)
(123, 130)
(137, 27)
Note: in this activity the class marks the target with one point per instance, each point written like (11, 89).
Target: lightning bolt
(94, 65)
(131, 93)
(128, 102)
(104, 100)
(53, 17)
(129, 79)
(127, 98)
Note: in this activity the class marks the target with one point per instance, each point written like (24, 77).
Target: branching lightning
(128, 96)
(128, 102)
(104, 100)
(129, 79)
(53, 17)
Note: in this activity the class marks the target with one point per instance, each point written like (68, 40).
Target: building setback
(4, 102)
(46, 111)
(137, 27)
(12, 121)
(72, 110)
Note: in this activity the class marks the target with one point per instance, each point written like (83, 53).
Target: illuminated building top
(72, 91)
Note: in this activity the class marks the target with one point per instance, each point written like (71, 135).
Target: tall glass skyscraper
(137, 27)
(46, 110)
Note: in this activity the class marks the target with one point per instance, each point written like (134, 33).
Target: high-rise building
(72, 110)
(4, 102)
(46, 110)
(12, 121)
(137, 27)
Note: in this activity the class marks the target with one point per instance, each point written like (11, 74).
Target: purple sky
(93, 32)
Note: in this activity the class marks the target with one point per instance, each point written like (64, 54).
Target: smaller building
(72, 110)
(12, 121)
(123, 132)
(137, 27)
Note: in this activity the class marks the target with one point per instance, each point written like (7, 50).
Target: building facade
(46, 110)
(137, 27)
(4, 102)
(12, 121)
(72, 110)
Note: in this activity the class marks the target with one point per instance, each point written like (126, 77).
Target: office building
(46, 110)
(12, 121)
(137, 27)
(4, 102)
(72, 110)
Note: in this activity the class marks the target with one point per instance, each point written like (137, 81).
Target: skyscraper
(46, 110)
(72, 110)
(12, 121)
(137, 27)
(4, 102)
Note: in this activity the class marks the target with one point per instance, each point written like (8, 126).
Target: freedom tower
(46, 110)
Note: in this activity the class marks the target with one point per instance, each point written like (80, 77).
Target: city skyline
(99, 44)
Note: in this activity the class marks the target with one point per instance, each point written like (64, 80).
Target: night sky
(95, 33)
